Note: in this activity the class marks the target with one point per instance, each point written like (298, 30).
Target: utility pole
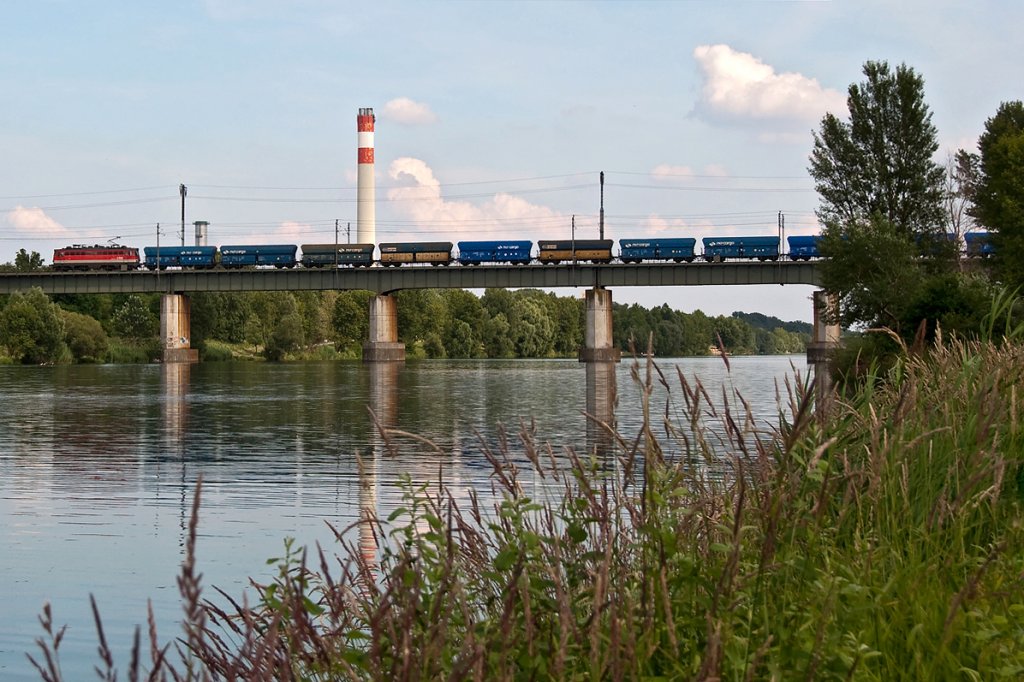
(158, 255)
(602, 205)
(573, 237)
(183, 190)
(335, 243)
(348, 232)
(782, 232)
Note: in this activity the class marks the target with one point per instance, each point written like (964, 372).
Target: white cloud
(670, 173)
(502, 216)
(738, 86)
(292, 231)
(666, 171)
(34, 221)
(405, 111)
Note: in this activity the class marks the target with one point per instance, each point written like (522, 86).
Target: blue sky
(493, 118)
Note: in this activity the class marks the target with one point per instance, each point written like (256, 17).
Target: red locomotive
(99, 257)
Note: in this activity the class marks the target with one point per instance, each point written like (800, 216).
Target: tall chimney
(366, 210)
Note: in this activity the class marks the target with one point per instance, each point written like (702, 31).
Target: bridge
(383, 280)
(383, 344)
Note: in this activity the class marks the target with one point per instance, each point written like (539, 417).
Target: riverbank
(884, 542)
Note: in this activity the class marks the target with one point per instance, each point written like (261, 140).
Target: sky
(493, 119)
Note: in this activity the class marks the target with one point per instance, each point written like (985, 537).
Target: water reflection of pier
(602, 399)
(176, 377)
(383, 401)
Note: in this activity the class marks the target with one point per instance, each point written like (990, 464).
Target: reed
(882, 542)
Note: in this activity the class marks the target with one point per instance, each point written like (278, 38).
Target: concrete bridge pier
(824, 342)
(176, 328)
(383, 344)
(597, 333)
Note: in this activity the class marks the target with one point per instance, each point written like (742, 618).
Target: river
(98, 465)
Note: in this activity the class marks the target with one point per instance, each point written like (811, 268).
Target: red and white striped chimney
(366, 210)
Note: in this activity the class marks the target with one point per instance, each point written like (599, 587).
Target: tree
(27, 262)
(532, 328)
(874, 268)
(350, 319)
(422, 313)
(463, 335)
(962, 174)
(882, 200)
(737, 336)
(497, 337)
(84, 337)
(880, 162)
(999, 196)
(31, 328)
(460, 341)
(134, 320)
(287, 335)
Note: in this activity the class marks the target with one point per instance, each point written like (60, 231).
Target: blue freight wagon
(277, 255)
(180, 257)
(979, 244)
(515, 252)
(803, 247)
(721, 248)
(329, 255)
(637, 250)
(397, 253)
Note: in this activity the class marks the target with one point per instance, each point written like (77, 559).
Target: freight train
(513, 252)
(394, 254)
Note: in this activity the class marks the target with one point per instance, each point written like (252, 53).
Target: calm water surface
(98, 465)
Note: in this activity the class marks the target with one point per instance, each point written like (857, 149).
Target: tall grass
(884, 542)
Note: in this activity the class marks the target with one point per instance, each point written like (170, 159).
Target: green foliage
(874, 267)
(288, 334)
(461, 342)
(85, 337)
(770, 323)
(32, 328)
(886, 206)
(216, 351)
(999, 195)
(134, 319)
(677, 334)
(736, 337)
(27, 262)
(433, 324)
(422, 314)
(497, 337)
(97, 306)
(880, 163)
(134, 352)
(350, 319)
(532, 328)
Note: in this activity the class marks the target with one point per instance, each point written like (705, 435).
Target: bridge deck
(382, 280)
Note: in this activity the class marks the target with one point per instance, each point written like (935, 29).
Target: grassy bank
(884, 542)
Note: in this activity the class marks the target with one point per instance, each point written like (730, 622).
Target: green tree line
(452, 323)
